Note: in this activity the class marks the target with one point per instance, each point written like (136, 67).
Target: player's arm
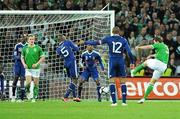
(73, 46)
(128, 50)
(151, 56)
(100, 62)
(16, 56)
(92, 42)
(144, 47)
(22, 58)
(42, 58)
(82, 60)
(96, 42)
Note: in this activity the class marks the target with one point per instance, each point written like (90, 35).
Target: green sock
(36, 91)
(28, 88)
(138, 68)
(148, 91)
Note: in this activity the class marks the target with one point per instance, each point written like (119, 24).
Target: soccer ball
(104, 90)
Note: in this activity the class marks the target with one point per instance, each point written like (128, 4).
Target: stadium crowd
(141, 20)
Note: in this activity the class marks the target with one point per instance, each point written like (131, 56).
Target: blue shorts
(19, 69)
(87, 73)
(116, 68)
(71, 68)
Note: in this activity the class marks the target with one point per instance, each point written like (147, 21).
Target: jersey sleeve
(82, 61)
(100, 61)
(128, 50)
(58, 51)
(92, 42)
(16, 56)
(154, 46)
(73, 46)
(104, 40)
(41, 52)
(96, 42)
(23, 52)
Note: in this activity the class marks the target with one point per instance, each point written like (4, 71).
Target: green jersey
(162, 52)
(32, 55)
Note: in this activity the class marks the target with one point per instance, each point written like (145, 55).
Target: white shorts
(158, 67)
(32, 72)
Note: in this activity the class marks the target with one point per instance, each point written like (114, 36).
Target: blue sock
(74, 90)
(113, 92)
(98, 93)
(124, 92)
(70, 88)
(2, 83)
(22, 93)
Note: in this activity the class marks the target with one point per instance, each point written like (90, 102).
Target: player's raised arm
(73, 46)
(144, 47)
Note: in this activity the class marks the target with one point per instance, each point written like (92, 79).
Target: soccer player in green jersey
(158, 64)
(32, 56)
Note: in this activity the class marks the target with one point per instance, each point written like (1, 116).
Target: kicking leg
(138, 68)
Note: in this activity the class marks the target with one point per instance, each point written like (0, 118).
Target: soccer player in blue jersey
(117, 46)
(19, 71)
(66, 50)
(90, 60)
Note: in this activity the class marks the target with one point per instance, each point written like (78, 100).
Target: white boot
(13, 99)
(141, 101)
(114, 104)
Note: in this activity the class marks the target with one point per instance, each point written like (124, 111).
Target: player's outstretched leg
(137, 69)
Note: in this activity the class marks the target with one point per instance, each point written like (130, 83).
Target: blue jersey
(117, 46)
(17, 52)
(19, 69)
(91, 59)
(66, 50)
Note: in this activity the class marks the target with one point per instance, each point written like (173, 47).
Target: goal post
(46, 25)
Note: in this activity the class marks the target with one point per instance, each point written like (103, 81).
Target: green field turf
(90, 110)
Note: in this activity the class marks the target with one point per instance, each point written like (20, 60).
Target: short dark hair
(158, 38)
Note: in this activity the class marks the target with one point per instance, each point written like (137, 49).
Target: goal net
(46, 25)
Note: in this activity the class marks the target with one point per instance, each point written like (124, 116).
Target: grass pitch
(168, 109)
